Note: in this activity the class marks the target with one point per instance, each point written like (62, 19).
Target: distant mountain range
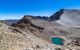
(65, 17)
(9, 22)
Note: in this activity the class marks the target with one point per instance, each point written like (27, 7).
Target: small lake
(57, 41)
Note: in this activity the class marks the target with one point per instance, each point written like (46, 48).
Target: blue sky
(16, 9)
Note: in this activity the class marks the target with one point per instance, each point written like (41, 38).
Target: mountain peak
(56, 15)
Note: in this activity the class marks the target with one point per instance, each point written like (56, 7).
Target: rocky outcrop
(75, 41)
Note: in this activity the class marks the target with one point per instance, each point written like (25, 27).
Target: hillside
(10, 39)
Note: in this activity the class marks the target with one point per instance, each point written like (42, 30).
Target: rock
(76, 41)
(29, 49)
(58, 49)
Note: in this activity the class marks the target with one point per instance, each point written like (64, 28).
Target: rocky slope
(10, 39)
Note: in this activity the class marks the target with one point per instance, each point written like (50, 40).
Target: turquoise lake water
(57, 41)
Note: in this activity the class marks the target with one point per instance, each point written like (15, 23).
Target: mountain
(45, 29)
(38, 26)
(36, 32)
(67, 17)
(64, 17)
(9, 22)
